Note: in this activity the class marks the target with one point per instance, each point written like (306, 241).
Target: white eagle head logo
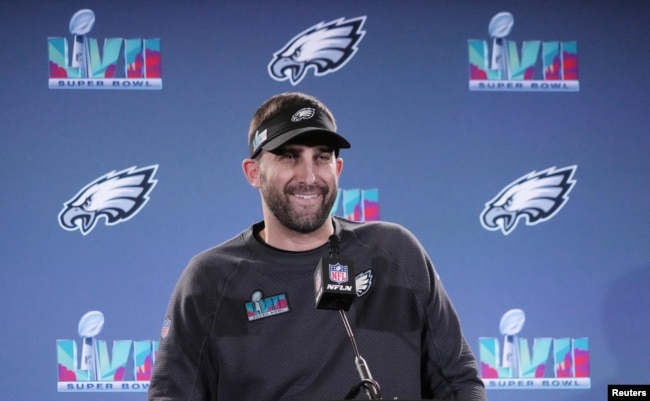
(116, 196)
(535, 197)
(325, 48)
(303, 114)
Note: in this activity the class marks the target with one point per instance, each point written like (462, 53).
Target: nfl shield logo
(339, 273)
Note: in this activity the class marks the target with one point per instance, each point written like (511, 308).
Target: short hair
(282, 101)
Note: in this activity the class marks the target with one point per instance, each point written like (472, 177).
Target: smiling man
(242, 324)
(293, 162)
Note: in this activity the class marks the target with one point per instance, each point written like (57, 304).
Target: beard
(296, 217)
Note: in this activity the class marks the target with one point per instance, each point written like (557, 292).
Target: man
(242, 322)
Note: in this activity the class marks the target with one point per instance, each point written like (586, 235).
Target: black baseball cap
(292, 123)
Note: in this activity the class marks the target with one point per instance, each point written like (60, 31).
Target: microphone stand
(371, 386)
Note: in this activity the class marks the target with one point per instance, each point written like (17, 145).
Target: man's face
(299, 184)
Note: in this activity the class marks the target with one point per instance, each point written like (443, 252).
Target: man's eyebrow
(286, 148)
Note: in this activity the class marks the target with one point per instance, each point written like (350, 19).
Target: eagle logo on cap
(303, 114)
(324, 48)
(533, 198)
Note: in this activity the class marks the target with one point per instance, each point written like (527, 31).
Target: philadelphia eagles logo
(533, 198)
(324, 48)
(116, 196)
(303, 114)
(363, 282)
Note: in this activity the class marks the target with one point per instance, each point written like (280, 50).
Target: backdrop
(510, 137)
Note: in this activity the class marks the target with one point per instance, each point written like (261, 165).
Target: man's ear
(251, 171)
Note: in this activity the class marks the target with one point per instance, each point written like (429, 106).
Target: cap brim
(316, 135)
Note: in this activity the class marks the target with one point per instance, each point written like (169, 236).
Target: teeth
(305, 196)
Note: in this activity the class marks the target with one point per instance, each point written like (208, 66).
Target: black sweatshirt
(242, 324)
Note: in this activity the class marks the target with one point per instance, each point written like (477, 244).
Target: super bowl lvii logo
(357, 204)
(553, 363)
(132, 63)
(98, 371)
(501, 67)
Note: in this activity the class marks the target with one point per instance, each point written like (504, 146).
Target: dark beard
(291, 218)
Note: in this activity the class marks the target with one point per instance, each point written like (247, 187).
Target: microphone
(334, 280)
(335, 287)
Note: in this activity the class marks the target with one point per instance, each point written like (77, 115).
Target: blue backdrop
(440, 132)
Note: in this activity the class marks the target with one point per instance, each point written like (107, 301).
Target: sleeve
(183, 368)
(449, 370)
(448, 366)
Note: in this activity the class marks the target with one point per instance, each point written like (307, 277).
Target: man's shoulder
(378, 230)
(232, 249)
(376, 225)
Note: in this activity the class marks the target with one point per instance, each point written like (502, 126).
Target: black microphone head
(335, 284)
(334, 245)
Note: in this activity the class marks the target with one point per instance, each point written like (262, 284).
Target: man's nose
(307, 172)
